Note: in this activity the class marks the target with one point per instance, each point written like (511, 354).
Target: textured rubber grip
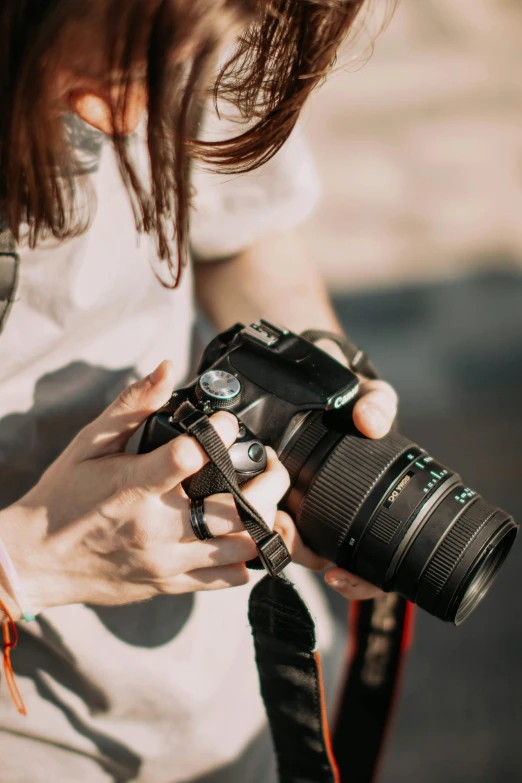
(312, 433)
(385, 526)
(340, 487)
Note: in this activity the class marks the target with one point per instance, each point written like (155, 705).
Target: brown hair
(282, 50)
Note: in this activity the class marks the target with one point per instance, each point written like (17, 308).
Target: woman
(139, 665)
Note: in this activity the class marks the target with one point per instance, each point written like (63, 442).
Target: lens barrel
(387, 511)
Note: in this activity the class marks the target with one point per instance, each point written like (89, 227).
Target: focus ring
(342, 484)
(450, 551)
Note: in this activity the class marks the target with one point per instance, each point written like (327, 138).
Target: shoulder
(233, 212)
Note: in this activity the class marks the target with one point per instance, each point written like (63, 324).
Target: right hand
(105, 527)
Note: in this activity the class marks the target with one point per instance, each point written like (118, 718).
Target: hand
(106, 527)
(373, 414)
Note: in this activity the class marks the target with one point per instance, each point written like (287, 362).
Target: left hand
(373, 415)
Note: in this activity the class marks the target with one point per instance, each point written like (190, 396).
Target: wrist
(21, 563)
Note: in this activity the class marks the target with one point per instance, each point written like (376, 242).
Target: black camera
(383, 509)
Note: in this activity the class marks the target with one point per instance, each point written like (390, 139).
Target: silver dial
(220, 387)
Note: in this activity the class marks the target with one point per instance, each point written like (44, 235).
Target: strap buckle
(273, 554)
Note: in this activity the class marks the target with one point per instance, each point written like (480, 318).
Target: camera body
(268, 377)
(384, 509)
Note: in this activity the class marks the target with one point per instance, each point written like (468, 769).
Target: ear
(94, 108)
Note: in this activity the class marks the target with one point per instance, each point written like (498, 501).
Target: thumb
(110, 432)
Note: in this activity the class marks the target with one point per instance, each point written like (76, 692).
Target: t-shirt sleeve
(233, 213)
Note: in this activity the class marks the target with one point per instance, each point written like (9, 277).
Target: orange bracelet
(10, 644)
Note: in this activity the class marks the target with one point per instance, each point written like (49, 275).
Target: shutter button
(256, 452)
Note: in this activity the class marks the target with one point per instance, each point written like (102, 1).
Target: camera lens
(482, 579)
(389, 512)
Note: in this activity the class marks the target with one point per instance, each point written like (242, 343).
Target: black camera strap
(284, 632)
(358, 360)
(285, 645)
(380, 634)
(271, 548)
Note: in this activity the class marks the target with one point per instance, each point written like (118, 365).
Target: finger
(263, 492)
(266, 490)
(110, 432)
(376, 409)
(218, 578)
(222, 518)
(222, 551)
(164, 563)
(162, 469)
(350, 586)
(299, 552)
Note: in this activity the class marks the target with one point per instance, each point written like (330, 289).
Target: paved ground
(453, 350)
(421, 149)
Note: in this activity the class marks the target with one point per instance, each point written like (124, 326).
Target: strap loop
(357, 359)
(271, 548)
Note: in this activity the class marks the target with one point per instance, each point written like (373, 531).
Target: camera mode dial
(219, 388)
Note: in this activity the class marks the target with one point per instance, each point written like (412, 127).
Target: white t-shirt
(167, 690)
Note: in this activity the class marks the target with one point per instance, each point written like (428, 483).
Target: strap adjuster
(273, 554)
(189, 418)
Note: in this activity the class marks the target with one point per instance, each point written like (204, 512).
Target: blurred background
(420, 237)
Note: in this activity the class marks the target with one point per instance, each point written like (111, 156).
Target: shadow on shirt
(65, 401)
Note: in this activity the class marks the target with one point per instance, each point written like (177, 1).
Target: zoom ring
(342, 484)
(304, 445)
(451, 550)
(385, 526)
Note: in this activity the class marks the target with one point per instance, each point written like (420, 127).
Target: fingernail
(157, 374)
(340, 583)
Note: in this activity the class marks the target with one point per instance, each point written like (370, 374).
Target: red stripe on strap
(406, 642)
(409, 627)
(9, 644)
(326, 728)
